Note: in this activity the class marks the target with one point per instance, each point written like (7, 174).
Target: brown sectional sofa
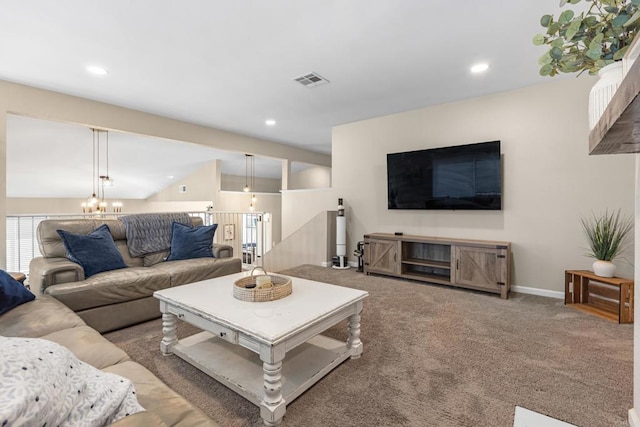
(118, 298)
(49, 319)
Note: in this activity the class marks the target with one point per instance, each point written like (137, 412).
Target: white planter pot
(604, 268)
(602, 92)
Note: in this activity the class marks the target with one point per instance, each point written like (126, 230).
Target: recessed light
(170, 177)
(480, 68)
(98, 71)
(270, 122)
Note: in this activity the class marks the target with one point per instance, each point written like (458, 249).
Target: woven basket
(280, 289)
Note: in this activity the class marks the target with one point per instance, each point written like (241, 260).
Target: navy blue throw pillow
(95, 252)
(191, 242)
(12, 293)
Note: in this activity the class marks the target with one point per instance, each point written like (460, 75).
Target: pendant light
(92, 201)
(96, 202)
(249, 179)
(246, 173)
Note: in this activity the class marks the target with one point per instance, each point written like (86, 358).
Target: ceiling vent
(311, 80)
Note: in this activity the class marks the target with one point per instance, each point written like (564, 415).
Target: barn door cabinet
(474, 264)
(381, 256)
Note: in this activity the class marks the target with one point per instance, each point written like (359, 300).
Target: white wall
(549, 180)
(200, 185)
(301, 206)
(312, 177)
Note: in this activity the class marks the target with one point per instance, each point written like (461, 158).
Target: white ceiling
(230, 65)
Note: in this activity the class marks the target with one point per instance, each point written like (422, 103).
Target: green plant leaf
(620, 53)
(538, 39)
(569, 68)
(591, 21)
(554, 28)
(612, 9)
(573, 28)
(546, 20)
(565, 17)
(620, 20)
(635, 2)
(633, 20)
(597, 39)
(546, 70)
(555, 52)
(594, 53)
(545, 59)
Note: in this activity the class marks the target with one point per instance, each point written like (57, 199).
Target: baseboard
(353, 264)
(539, 292)
(634, 419)
(520, 289)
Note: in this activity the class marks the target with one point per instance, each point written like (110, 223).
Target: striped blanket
(149, 233)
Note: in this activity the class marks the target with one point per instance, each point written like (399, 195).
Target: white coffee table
(268, 352)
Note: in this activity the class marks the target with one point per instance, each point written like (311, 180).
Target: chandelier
(96, 202)
(250, 179)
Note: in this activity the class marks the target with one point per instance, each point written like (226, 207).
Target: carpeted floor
(436, 356)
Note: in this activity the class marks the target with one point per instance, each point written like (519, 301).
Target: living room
(549, 179)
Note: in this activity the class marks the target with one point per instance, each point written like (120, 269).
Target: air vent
(311, 80)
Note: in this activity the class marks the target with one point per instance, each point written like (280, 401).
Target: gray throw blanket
(148, 233)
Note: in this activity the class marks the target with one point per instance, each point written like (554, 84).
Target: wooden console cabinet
(474, 264)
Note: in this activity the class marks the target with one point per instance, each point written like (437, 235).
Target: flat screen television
(460, 177)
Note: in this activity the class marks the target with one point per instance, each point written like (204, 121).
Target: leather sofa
(47, 318)
(118, 298)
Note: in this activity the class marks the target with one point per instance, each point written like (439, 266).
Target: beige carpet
(436, 356)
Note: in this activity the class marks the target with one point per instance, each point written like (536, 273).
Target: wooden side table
(608, 297)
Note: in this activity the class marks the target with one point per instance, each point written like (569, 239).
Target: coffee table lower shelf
(241, 369)
(588, 308)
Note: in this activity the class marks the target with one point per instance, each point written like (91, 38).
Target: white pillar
(286, 174)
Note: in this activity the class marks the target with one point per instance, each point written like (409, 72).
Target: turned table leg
(170, 338)
(353, 342)
(273, 405)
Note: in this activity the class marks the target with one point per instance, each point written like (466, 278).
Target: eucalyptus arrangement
(608, 235)
(588, 41)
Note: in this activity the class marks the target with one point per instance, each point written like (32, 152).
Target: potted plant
(608, 235)
(590, 40)
(594, 41)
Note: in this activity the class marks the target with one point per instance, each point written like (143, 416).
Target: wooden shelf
(618, 130)
(427, 277)
(428, 263)
(594, 311)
